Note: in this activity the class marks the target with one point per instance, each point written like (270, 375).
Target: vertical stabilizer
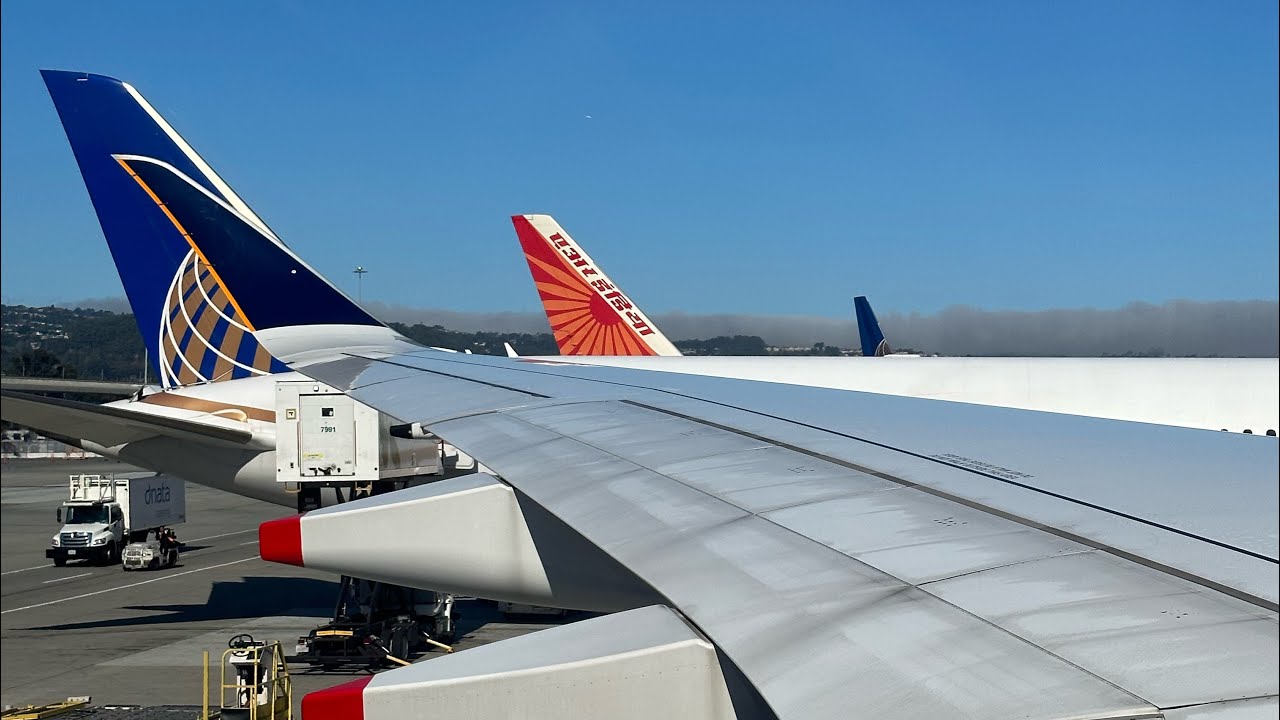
(203, 273)
(589, 315)
(873, 342)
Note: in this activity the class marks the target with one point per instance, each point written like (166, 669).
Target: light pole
(360, 273)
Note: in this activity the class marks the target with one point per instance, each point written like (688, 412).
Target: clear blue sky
(753, 158)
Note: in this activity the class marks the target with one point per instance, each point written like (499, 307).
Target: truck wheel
(60, 561)
(400, 643)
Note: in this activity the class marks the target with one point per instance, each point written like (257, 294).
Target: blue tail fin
(873, 342)
(202, 271)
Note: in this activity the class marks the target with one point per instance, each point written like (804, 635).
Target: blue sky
(739, 158)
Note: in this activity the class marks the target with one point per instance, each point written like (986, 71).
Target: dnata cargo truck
(104, 513)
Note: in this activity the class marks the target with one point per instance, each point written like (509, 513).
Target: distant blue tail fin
(202, 271)
(873, 342)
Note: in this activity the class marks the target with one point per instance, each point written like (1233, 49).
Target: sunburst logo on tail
(589, 315)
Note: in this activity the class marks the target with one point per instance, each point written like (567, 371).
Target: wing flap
(111, 425)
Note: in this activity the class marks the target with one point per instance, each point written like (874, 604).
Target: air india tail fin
(589, 314)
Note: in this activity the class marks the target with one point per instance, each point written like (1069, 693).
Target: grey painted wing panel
(816, 632)
(1259, 577)
(1150, 471)
(1170, 642)
(770, 478)
(920, 538)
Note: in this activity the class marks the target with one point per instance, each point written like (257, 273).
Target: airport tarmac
(136, 638)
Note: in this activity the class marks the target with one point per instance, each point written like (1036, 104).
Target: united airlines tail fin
(205, 276)
(589, 315)
(873, 342)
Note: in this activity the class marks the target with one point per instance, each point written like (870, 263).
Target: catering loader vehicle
(104, 513)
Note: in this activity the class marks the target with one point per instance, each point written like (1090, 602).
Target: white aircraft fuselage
(1233, 394)
(1211, 394)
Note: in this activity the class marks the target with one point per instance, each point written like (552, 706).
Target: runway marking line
(193, 540)
(211, 537)
(10, 572)
(69, 577)
(125, 587)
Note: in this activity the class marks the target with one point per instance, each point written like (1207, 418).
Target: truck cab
(90, 531)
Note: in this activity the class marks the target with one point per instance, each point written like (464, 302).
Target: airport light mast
(360, 273)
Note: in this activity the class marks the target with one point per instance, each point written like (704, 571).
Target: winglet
(873, 342)
(589, 315)
(511, 352)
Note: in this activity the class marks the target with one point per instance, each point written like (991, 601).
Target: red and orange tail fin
(589, 315)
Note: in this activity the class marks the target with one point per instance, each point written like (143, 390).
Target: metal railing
(270, 698)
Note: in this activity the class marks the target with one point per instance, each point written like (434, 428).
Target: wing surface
(907, 558)
(111, 425)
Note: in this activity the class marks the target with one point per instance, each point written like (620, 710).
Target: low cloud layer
(1180, 327)
(1248, 328)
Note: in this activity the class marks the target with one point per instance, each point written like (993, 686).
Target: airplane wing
(110, 388)
(841, 554)
(111, 425)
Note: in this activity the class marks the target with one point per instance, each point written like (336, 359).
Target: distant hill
(98, 344)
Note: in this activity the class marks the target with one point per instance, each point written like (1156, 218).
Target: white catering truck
(104, 513)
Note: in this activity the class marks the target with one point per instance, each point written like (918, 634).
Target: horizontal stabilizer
(644, 663)
(469, 535)
(112, 425)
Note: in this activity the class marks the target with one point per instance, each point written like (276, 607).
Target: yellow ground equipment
(254, 681)
(36, 712)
